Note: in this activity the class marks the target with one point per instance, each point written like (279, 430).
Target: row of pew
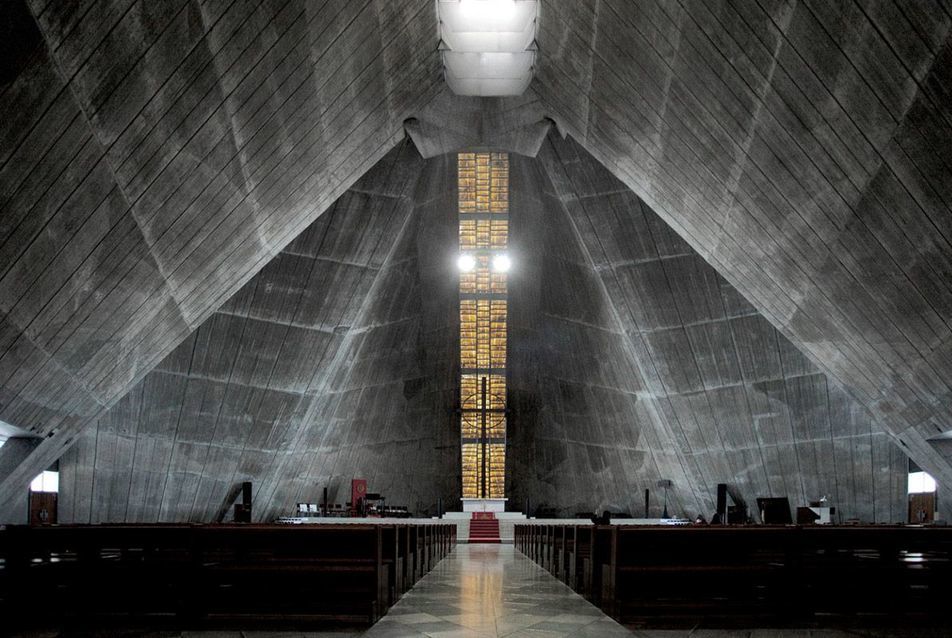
(212, 575)
(742, 576)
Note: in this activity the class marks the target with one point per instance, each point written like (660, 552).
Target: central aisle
(492, 590)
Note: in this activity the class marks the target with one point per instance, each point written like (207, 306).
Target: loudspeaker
(358, 491)
(722, 502)
(242, 513)
(243, 509)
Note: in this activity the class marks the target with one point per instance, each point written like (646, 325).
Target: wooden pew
(583, 560)
(405, 558)
(693, 573)
(567, 567)
(196, 575)
(753, 576)
(390, 538)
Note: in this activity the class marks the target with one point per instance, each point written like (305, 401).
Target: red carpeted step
(484, 528)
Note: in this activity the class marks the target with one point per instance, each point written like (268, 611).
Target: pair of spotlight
(467, 263)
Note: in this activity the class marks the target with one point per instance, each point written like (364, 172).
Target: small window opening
(47, 481)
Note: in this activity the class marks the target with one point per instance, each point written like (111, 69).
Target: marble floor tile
(490, 591)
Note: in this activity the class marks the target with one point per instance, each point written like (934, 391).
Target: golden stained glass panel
(483, 180)
(482, 333)
(471, 425)
(483, 188)
(471, 391)
(472, 457)
(483, 234)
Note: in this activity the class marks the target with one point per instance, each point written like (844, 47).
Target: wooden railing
(193, 575)
(725, 576)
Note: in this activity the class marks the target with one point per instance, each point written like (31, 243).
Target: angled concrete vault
(155, 156)
(649, 365)
(802, 148)
(158, 160)
(632, 360)
(325, 366)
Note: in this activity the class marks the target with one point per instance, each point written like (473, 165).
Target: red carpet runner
(484, 528)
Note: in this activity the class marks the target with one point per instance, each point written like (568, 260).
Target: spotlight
(501, 263)
(466, 263)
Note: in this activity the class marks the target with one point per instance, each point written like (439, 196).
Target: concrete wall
(576, 437)
(256, 392)
(746, 407)
(386, 413)
(631, 361)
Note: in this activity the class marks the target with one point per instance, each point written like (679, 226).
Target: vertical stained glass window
(483, 312)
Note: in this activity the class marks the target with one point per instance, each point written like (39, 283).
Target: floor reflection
(493, 590)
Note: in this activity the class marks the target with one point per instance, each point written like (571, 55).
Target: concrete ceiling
(450, 123)
(155, 156)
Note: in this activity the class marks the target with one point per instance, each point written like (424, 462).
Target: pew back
(759, 574)
(202, 574)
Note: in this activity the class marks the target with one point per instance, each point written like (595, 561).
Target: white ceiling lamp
(502, 263)
(488, 45)
(466, 262)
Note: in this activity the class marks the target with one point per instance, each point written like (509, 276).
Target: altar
(484, 504)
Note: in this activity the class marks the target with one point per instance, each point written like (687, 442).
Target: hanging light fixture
(488, 45)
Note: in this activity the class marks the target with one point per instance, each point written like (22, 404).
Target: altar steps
(484, 528)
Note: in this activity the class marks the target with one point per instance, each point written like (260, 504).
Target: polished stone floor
(492, 590)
